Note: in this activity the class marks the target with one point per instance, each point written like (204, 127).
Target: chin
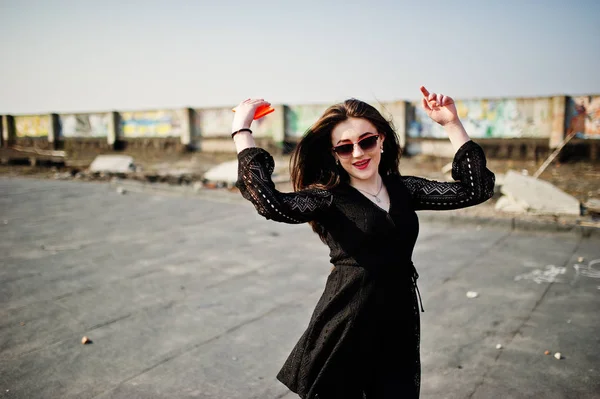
(365, 174)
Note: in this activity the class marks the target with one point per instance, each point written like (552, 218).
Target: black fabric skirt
(382, 357)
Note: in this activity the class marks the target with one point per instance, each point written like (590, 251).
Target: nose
(357, 152)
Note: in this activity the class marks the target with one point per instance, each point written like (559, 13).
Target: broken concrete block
(593, 205)
(112, 164)
(538, 196)
(509, 205)
(226, 172)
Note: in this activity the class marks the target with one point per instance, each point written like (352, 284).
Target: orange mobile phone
(261, 111)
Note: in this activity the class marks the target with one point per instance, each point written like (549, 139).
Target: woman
(363, 337)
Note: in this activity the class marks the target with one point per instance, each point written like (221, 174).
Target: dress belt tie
(415, 276)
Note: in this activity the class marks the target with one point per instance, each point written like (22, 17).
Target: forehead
(351, 129)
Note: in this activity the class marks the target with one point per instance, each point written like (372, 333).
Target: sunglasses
(365, 144)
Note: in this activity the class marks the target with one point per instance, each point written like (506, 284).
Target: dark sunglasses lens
(368, 143)
(344, 149)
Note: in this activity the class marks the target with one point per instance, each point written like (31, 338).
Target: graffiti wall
(32, 125)
(502, 118)
(298, 118)
(169, 123)
(84, 125)
(583, 116)
(213, 122)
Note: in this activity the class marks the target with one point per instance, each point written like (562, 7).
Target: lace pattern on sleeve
(255, 168)
(474, 183)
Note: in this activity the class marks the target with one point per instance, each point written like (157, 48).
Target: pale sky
(84, 55)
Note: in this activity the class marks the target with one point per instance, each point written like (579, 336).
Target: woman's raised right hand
(244, 113)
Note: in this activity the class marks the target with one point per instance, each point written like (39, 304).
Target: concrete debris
(592, 205)
(226, 172)
(197, 186)
(509, 205)
(113, 164)
(85, 340)
(547, 353)
(499, 346)
(558, 356)
(121, 190)
(527, 194)
(580, 259)
(472, 294)
(62, 176)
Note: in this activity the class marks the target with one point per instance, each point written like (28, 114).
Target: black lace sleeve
(474, 183)
(255, 167)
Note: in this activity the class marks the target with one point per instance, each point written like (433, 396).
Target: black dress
(365, 326)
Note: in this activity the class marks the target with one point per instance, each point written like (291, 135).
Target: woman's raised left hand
(439, 107)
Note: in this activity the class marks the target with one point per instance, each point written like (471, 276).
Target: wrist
(453, 124)
(241, 131)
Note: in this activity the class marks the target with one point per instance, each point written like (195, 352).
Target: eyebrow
(360, 137)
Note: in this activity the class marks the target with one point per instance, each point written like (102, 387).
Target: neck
(371, 185)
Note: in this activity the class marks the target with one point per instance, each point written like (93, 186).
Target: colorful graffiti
(216, 122)
(152, 123)
(583, 116)
(299, 118)
(32, 125)
(509, 118)
(84, 125)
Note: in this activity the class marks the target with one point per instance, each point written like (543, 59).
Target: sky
(83, 55)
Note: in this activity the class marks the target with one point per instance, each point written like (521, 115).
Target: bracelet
(241, 130)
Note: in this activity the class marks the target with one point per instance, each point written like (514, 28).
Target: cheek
(346, 164)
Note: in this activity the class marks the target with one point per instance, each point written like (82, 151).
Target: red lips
(362, 164)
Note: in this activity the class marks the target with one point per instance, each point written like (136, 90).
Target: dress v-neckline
(388, 211)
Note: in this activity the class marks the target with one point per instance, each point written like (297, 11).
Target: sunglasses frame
(349, 154)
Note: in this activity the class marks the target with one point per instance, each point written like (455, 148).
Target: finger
(439, 99)
(425, 104)
(432, 99)
(424, 91)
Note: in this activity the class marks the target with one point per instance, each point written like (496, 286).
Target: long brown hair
(312, 164)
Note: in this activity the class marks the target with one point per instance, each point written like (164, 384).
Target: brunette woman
(363, 337)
